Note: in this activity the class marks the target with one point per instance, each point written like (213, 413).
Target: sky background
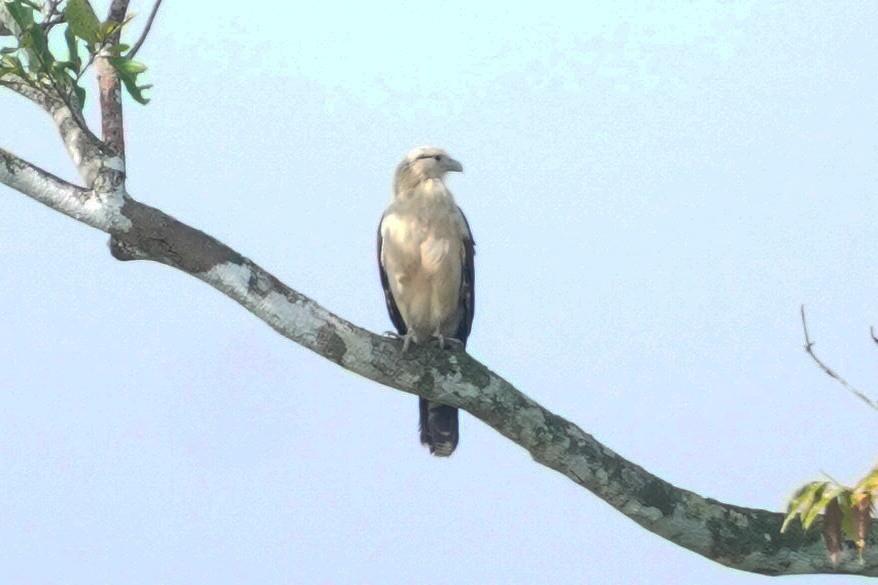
(654, 188)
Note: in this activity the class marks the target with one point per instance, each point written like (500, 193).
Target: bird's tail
(439, 430)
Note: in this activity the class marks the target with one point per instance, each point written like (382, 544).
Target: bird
(426, 260)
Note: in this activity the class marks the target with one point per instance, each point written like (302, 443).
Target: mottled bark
(110, 89)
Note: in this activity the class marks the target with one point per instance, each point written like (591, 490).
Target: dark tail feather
(438, 426)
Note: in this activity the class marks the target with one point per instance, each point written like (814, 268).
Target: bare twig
(809, 348)
(872, 333)
(52, 10)
(139, 43)
(49, 23)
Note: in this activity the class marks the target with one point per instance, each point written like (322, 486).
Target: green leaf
(802, 501)
(34, 38)
(79, 94)
(13, 64)
(21, 14)
(128, 66)
(128, 71)
(117, 49)
(870, 482)
(72, 48)
(82, 20)
(831, 492)
(106, 30)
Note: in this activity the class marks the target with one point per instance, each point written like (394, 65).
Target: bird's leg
(442, 340)
(406, 339)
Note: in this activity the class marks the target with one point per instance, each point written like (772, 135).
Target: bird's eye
(438, 157)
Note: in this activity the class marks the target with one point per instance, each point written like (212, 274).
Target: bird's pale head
(422, 164)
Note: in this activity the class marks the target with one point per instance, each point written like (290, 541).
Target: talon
(406, 339)
(441, 340)
(455, 341)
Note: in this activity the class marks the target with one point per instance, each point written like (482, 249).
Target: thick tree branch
(95, 208)
(743, 538)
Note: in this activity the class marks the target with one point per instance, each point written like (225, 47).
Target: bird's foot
(406, 339)
(442, 340)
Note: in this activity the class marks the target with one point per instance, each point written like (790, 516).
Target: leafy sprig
(32, 61)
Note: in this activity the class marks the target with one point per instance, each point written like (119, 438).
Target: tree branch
(97, 209)
(97, 167)
(742, 538)
(143, 35)
(809, 348)
(50, 19)
(110, 88)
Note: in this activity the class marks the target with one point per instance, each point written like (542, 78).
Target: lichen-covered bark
(98, 209)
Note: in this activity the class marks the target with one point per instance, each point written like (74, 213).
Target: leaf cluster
(32, 60)
(847, 511)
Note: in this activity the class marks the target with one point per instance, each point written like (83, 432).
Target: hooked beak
(453, 165)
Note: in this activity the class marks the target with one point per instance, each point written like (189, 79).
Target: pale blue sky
(653, 187)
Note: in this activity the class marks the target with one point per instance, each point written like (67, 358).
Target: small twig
(139, 43)
(832, 479)
(51, 11)
(52, 8)
(809, 348)
(48, 24)
(872, 333)
(89, 63)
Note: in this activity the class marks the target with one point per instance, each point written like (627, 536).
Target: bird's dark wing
(467, 284)
(392, 309)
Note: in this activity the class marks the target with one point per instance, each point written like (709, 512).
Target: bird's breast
(422, 235)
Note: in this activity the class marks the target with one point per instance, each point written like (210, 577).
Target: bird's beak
(453, 165)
